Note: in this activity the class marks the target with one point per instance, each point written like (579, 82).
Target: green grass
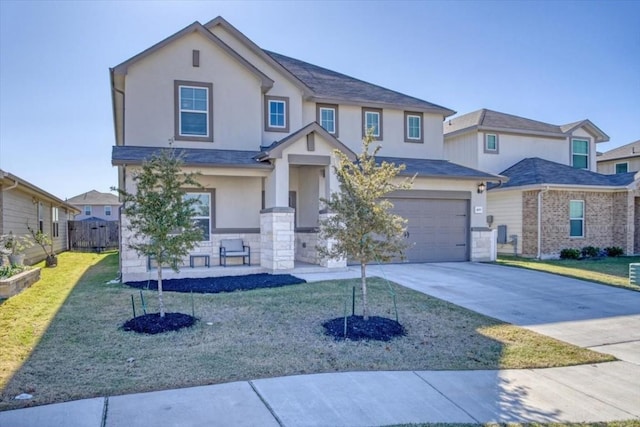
(240, 336)
(608, 271)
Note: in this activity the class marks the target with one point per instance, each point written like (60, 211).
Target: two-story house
(261, 127)
(554, 198)
(623, 159)
(95, 205)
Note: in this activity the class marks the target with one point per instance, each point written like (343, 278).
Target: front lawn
(612, 271)
(244, 335)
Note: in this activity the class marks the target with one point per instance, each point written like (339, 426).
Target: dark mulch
(376, 328)
(214, 285)
(154, 324)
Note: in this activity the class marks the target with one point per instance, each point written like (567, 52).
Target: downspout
(540, 220)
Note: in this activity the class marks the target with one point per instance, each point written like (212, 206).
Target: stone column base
(277, 238)
(484, 244)
(329, 262)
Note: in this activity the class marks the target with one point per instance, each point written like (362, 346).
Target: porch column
(328, 243)
(277, 238)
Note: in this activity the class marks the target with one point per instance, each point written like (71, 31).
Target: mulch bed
(154, 324)
(213, 285)
(376, 328)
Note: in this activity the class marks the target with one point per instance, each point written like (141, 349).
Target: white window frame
(407, 127)
(333, 120)
(581, 219)
(487, 149)
(373, 112)
(573, 153)
(107, 210)
(87, 210)
(41, 217)
(55, 222)
(208, 217)
(268, 102)
(615, 167)
(184, 110)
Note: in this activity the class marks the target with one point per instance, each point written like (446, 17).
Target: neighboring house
(96, 205)
(22, 202)
(554, 198)
(261, 127)
(620, 160)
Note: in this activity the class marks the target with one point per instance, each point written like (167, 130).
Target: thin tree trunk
(160, 300)
(363, 277)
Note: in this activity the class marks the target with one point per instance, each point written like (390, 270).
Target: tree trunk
(365, 307)
(160, 300)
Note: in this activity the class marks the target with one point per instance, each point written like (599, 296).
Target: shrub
(590, 251)
(570, 253)
(614, 251)
(11, 270)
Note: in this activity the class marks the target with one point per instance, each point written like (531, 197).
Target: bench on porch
(230, 248)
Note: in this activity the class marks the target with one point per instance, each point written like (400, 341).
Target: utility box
(634, 273)
(502, 234)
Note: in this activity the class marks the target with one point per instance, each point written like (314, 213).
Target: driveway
(599, 317)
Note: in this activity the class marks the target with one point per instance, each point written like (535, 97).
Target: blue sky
(556, 62)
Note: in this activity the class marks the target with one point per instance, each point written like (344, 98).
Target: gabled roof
(331, 86)
(94, 197)
(623, 152)
(429, 168)
(11, 181)
(196, 27)
(485, 119)
(131, 155)
(536, 171)
(275, 150)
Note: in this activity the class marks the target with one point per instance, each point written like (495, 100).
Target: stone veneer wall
(16, 284)
(606, 221)
(277, 238)
(484, 245)
(306, 247)
(329, 262)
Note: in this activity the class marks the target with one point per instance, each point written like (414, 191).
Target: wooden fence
(96, 235)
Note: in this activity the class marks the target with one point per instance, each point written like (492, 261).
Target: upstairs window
(372, 120)
(203, 211)
(193, 118)
(580, 153)
(55, 222)
(87, 210)
(277, 114)
(491, 143)
(622, 167)
(413, 127)
(327, 116)
(107, 210)
(576, 218)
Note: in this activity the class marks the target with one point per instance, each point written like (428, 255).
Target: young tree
(159, 214)
(361, 224)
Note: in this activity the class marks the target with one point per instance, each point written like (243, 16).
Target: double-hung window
(202, 216)
(41, 217)
(576, 218)
(413, 127)
(622, 167)
(193, 115)
(490, 143)
(327, 117)
(87, 210)
(55, 222)
(276, 113)
(372, 122)
(580, 153)
(107, 210)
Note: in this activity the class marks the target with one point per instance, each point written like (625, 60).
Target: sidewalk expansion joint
(613, 343)
(105, 408)
(265, 403)
(447, 397)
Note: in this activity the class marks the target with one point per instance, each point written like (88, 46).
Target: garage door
(437, 229)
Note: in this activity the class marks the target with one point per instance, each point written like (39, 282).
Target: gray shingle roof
(626, 151)
(532, 171)
(333, 85)
(437, 168)
(495, 119)
(94, 197)
(192, 156)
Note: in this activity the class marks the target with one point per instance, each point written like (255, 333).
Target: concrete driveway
(600, 317)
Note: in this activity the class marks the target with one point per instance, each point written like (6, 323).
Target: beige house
(554, 198)
(23, 203)
(623, 159)
(96, 205)
(261, 127)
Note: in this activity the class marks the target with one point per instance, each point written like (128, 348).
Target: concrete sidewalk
(603, 392)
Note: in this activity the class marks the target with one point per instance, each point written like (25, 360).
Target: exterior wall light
(481, 187)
